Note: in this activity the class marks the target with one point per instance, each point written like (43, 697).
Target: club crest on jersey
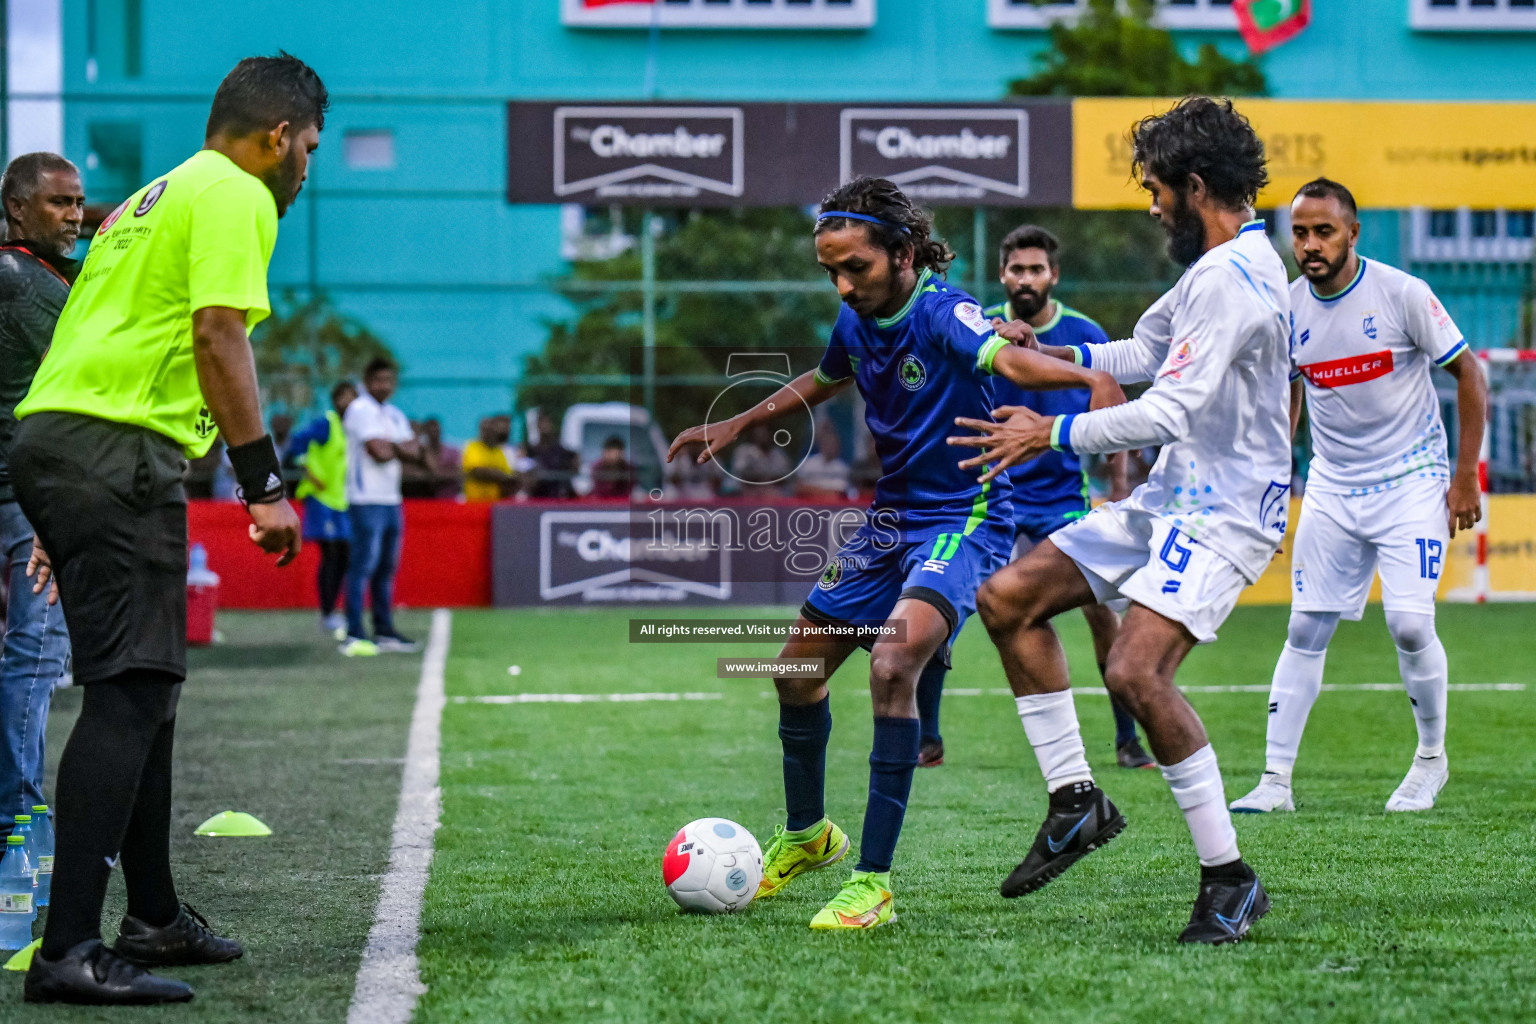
(831, 575)
(971, 315)
(150, 198)
(1179, 356)
(1368, 326)
(911, 372)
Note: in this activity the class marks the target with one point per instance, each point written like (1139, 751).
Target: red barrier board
(446, 560)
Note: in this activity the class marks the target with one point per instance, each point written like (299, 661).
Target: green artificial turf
(273, 722)
(546, 901)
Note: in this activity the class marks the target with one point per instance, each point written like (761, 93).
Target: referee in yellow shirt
(150, 360)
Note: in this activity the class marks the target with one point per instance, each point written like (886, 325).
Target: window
(114, 164)
(1194, 14)
(1473, 15)
(1478, 236)
(833, 14)
(592, 233)
(369, 149)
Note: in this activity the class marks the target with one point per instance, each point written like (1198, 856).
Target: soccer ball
(712, 866)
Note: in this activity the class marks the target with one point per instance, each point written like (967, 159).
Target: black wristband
(257, 471)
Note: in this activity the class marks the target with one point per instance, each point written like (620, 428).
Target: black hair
(1327, 188)
(905, 224)
(378, 364)
(1207, 137)
(614, 441)
(340, 386)
(263, 92)
(1028, 236)
(24, 176)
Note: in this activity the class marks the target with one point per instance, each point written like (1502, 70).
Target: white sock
(1297, 681)
(1050, 724)
(1197, 789)
(1426, 675)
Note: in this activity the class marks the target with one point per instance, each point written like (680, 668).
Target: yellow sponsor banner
(1388, 154)
(1511, 557)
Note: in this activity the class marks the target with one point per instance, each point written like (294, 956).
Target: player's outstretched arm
(716, 437)
(226, 373)
(1036, 371)
(1464, 500)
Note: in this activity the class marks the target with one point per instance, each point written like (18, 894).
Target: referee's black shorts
(107, 502)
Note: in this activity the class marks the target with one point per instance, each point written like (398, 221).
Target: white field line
(949, 691)
(388, 979)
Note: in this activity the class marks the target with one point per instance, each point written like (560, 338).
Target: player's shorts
(1036, 526)
(867, 577)
(108, 505)
(322, 522)
(1128, 553)
(1343, 540)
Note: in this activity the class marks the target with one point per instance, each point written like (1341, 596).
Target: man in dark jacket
(44, 204)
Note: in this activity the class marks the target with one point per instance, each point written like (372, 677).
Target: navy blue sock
(891, 764)
(1125, 725)
(930, 687)
(803, 730)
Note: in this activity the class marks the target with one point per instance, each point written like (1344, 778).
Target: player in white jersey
(1185, 543)
(1381, 496)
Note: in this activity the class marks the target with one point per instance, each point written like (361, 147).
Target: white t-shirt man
(370, 482)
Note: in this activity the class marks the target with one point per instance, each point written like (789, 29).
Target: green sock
(805, 835)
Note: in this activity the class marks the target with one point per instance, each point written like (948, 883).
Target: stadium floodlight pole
(978, 252)
(648, 308)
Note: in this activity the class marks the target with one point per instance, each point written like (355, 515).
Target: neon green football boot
(794, 853)
(864, 902)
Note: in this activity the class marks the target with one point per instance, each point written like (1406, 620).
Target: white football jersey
(1365, 356)
(1216, 348)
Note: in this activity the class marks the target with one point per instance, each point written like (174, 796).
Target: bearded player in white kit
(1381, 496)
(1186, 543)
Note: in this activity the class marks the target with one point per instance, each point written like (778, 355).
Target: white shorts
(1128, 553)
(1344, 540)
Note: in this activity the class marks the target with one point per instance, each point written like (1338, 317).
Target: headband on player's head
(864, 217)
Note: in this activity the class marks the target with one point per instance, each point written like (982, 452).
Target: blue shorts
(1039, 525)
(324, 523)
(868, 576)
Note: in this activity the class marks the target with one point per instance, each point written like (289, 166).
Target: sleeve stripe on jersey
(989, 351)
(1295, 375)
(823, 379)
(1081, 356)
(1460, 347)
(1061, 432)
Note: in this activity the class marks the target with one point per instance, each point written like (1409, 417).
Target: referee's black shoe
(90, 974)
(1080, 820)
(1231, 899)
(185, 942)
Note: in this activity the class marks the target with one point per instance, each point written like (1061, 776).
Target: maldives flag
(1265, 24)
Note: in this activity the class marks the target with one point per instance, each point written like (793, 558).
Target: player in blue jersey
(921, 354)
(1052, 490)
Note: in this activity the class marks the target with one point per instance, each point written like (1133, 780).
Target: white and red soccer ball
(712, 866)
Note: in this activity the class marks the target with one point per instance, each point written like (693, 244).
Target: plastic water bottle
(198, 573)
(18, 889)
(23, 828)
(42, 836)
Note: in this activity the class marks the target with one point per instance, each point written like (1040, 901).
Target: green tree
(305, 347)
(1114, 49)
(695, 330)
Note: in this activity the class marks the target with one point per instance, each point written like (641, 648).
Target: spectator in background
(694, 482)
(44, 204)
(612, 474)
(488, 476)
(824, 475)
(379, 439)
(281, 428)
(758, 461)
(437, 475)
(554, 466)
(321, 448)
